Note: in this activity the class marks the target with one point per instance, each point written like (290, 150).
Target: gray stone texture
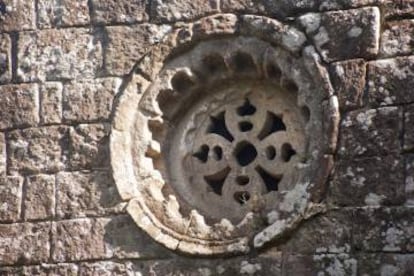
(11, 197)
(175, 10)
(5, 58)
(370, 132)
(81, 194)
(39, 200)
(390, 81)
(51, 103)
(371, 181)
(62, 13)
(37, 150)
(19, 106)
(115, 11)
(24, 243)
(409, 180)
(58, 55)
(386, 264)
(89, 146)
(3, 156)
(17, 15)
(125, 45)
(340, 35)
(397, 38)
(89, 100)
(384, 229)
(348, 79)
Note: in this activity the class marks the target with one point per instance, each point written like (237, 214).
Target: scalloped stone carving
(224, 141)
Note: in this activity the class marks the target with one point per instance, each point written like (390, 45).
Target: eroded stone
(24, 243)
(58, 13)
(11, 198)
(52, 55)
(5, 58)
(17, 15)
(115, 11)
(51, 103)
(39, 200)
(19, 106)
(37, 150)
(89, 100)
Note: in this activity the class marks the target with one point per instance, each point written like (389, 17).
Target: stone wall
(61, 64)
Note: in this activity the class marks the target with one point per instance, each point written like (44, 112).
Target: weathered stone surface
(3, 156)
(24, 243)
(390, 81)
(397, 38)
(5, 58)
(173, 11)
(86, 193)
(80, 239)
(52, 269)
(378, 132)
(115, 11)
(408, 144)
(11, 197)
(17, 15)
(51, 103)
(100, 238)
(409, 180)
(385, 264)
(89, 100)
(127, 44)
(89, 146)
(321, 264)
(126, 240)
(348, 79)
(37, 150)
(341, 35)
(39, 201)
(392, 9)
(19, 105)
(11, 271)
(58, 54)
(370, 181)
(384, 229)
(58, 13)
(328, 233)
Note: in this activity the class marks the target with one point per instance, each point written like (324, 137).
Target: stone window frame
(305, 200)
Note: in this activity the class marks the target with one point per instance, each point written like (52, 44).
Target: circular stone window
(224, 143)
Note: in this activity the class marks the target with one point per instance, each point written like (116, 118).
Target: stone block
(392, 9)
(385, 264)
(390, 81)
(39, 201)
(408, 144)
(19, 106)
(321, 264)
(3, 156)
(397, 38)
(58, 13)
(179, 10)
(80, 239)
(89, 100)
(384, 229)
(348, 79)
(52, 55)
(52, 269)
(328, 233)
(134, 41)
(5, 58)
(341, 35)
(11, 197)
(409, 180)
(370, 132)
(80, 194)
(24, 243)
(89, 146)
(51, 103)
(372, 181)
(37, 150)
(115, 11)
(17, 15)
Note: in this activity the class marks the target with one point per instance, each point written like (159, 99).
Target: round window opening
(226, 144)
